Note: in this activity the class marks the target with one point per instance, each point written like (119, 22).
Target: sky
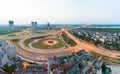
(60, 11)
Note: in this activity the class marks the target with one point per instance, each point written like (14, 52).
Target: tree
(103, 67)
(10, 69)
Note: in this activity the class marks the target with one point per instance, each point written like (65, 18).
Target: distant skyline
(60, 11)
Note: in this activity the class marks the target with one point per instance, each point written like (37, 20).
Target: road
(33, 50)
(90, 47)
(32, 55)
(42, 55)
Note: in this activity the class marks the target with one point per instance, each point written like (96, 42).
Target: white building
(11, 50)
(4, 59)
(3, 44)
(7, 52)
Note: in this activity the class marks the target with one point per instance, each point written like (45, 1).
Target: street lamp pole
(48, 67)
(67, 39)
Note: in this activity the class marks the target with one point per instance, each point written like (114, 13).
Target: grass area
(111, 30)
(38, 32)
(15, 41)
(108, 60)
(11, 35)
(6, 30)
(27, 41)
(40, 44)
(68, 40)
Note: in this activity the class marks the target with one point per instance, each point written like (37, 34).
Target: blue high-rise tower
(11, 24)
(34, 25)
(48, 26)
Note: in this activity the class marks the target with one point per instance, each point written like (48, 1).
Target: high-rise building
(48, 26)
(34, 25)
(11, 23)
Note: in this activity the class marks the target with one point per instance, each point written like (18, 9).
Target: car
(118, 56)
(17, 69)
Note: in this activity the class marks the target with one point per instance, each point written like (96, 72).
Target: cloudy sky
(60, 11)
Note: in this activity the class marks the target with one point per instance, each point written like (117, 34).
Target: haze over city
(60, 11)
(59, 37)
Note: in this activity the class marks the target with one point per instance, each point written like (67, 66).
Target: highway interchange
(41, 56)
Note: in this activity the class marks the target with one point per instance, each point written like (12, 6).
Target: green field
(68, 40)
(111, 30)
(6, 30)
(27, 41)
(15, 41)
(38, 32)
(11, 35)
(41, 45)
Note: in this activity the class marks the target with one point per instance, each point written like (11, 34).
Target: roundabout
(47, 43)
(50, 42)
(41, 55)
(42, 46)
